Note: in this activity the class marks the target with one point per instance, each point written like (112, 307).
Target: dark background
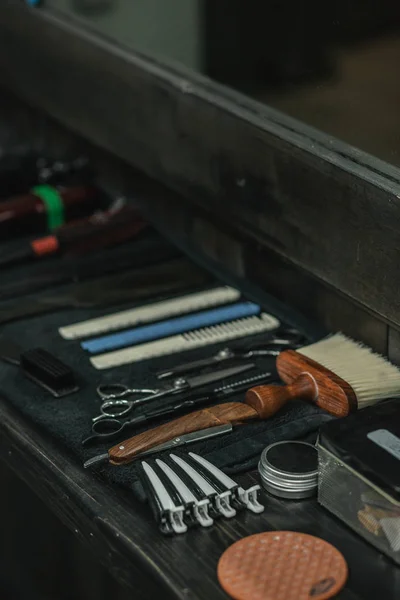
(333, 65)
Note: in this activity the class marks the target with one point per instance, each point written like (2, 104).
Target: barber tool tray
(359, 460)
(109, 330)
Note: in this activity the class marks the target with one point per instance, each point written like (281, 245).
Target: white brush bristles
(370, 375)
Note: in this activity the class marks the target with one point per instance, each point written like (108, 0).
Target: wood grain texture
(267, 400)
(230, 412)
(314, 298)
(226, 154)
(308, 380)
(334, 394)
(35, 543)
(120, 532)
(204, 234)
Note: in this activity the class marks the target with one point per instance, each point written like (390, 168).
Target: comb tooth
(186, 341)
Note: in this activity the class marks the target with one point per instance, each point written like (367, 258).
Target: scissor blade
(206, 378)
(187, 367)
(189, 438)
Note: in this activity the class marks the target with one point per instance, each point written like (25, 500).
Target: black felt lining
(69, 419)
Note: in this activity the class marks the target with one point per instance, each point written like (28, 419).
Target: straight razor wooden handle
(221, 414)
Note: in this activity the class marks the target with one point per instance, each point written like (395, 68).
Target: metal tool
(220, 500)
(271, 347)
(248, 498)
(189, 438)
(110, 428)
(114, 394)
(182, 440)
(188, 490)
(168, 514)
(191, 340)
(197, 509)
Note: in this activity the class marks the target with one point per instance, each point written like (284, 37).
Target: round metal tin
(289, 469)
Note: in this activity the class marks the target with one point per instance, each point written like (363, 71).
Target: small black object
(49, 372)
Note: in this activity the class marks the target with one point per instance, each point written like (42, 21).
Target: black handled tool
(42, 367)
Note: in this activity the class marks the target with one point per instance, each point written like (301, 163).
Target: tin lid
(290, 468)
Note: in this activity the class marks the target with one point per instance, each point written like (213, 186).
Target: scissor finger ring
(111, 390)
(114, 408)
(115, 391)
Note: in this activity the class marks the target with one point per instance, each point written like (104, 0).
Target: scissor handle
(103, 428)
(117, 391)
(255, 353)
(107, 427)
(114, 409)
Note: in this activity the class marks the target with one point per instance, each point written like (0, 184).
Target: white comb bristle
(370, 375)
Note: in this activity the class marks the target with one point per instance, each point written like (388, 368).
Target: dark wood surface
(201, 233)
(120, 532)
(329, 208)
(41, 559)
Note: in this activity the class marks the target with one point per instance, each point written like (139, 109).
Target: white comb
(187, 341)
(156, 311)
(370, 375)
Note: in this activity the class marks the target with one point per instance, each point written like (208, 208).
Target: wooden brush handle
(221, 414)
(267, 400)
(335, 395)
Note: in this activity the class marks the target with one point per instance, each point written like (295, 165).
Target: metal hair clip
(248, 498)
(168, 514)
(198, 509)
(220, 501)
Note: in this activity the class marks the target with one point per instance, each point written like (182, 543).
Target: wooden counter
(278, 205)
(121, 533)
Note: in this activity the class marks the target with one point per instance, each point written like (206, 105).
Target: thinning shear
(110, 427)
(271, 347)
(114, 395)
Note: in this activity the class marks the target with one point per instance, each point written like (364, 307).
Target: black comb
(49, 372)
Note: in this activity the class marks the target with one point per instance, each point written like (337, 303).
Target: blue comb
(156, 331)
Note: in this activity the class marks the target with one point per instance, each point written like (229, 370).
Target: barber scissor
(291, 339)
(114, 394)
(109, 428)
